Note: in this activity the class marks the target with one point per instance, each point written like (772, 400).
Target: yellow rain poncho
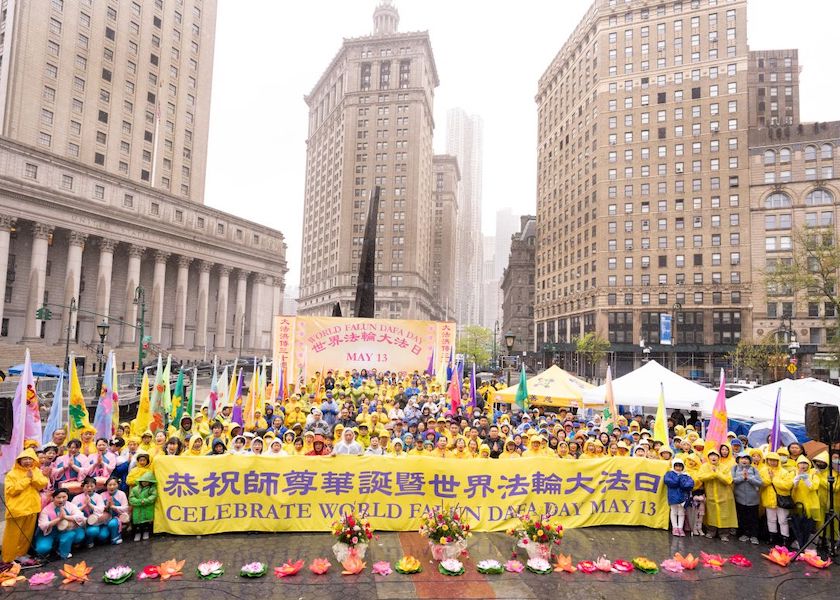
(720, 499)
(776, 477)
(806, 489)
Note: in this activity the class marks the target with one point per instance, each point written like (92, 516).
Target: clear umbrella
(758, 433)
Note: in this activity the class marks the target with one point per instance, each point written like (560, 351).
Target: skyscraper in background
(464, 140)
(507, 224)
(370, 124)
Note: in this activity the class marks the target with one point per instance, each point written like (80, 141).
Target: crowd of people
(80, 492)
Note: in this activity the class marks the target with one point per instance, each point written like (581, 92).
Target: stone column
(257, 317)
(158, 287)
(6, 224)
(135, 254)
(181, 289)
(76, 245)
(239, 315)
(37, 278)
(204, 268)
(103, 282)
(222, 307)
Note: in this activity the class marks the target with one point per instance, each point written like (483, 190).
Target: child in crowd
(679, 486)
(747, 483)
(142, 499)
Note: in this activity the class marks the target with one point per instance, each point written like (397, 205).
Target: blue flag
(54, 420)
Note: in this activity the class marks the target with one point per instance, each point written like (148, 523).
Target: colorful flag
(23, 424)
(54, 420)
(103, 418)
(776, 431)
(156, 403)
(454, 393)
(177, 411)
(253, 397)
(77, 412)
(237, 400)
(442, 374)
(522, 390)
(231, 395)
(716, 435)
(213, 396)
(115, 391)
(193, 384)
(281, 385)
(610, 411)
(660, 426)
(472, 390)
(144, 410)
(166, 401)
(430, 368)
(223, 393)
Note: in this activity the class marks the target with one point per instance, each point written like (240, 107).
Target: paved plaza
(762, 581)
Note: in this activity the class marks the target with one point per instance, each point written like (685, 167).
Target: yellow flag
(660, 426)
(77, 411)
(251, 401)
(231, 398)
(144, 409)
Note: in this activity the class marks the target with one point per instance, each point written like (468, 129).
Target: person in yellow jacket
(806, 489)
(697, 508)
(777, 481)
(295, 415)
(535, 447)
(460, 449)
(144, 465)
(510, 451)
(784, 460)
(821, 462)
(720, 498)
(726, 459)
(147, 441)
(23, 485)
(589, 450)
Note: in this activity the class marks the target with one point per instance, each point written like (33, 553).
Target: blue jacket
(679, 487)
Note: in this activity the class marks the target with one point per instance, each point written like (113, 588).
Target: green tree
(476, 344)
(811, 272)
(766, 358)
(593, 348)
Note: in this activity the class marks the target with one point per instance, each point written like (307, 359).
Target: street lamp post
(67, 341)
(510, 338)
(793, 348)
(495, 356)
(140, 301)
(102, 328)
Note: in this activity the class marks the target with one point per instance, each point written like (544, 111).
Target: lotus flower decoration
(78, 573)
(319, 566)
(540, 566)
(118, 575)
(603, 564)
(672, 565)
(622, 566)
(586, 566)
(210, 569)
(739, 560)
(149, 572)
(42, 578)
(288, 568)
(353, 564)
(489, 567)
(645, 565)
(689, 563)
(408, 565)
(514, 566)
(714, 562)
(383, 567)
(563, 564)
(813, 559)
(253, 569)
(11, 576)
(780, 555)
(171, 568)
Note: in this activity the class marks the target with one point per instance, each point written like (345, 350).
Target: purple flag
(776, 431)
(472, 390)
(237, 401)
(430, 369)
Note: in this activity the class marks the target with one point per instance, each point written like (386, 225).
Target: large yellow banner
(259, 493)
(304, 345)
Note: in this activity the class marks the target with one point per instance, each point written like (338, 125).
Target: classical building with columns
(104, 108)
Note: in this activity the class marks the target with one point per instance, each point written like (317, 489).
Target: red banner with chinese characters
(304, 345)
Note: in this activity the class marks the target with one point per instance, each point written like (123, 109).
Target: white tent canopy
(759, 404)
(641, 388)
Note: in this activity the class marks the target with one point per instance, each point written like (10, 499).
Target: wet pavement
(762, 580)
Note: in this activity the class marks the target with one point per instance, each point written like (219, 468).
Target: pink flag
(454, 393)
(716, 435)
(26, 420)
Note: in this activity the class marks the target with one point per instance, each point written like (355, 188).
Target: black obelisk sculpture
(336, 309)
(365, 297)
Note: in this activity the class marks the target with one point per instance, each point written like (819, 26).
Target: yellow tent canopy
(553, 387)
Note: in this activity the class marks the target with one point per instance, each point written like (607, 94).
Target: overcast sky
(489, 56)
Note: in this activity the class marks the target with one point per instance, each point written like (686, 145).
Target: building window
(220, 228)
(199, 222)
(128, 201)
(154, 209)
(67, 182)
(99, 158)
(99, 192)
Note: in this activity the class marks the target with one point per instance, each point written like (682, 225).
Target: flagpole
(156, 135)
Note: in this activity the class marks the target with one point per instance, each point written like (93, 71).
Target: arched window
(819, 197)
(810, 153)
(769, 157)
(777, 200)
(827, 151)
(784, 155)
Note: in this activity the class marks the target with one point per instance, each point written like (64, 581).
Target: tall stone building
(464, 140)
(518, 286)
(773, 87)
(444, 247)
(105, 108)
(642, 196)
(371, 124)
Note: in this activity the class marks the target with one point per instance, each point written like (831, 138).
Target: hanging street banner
(304, 345)
(203, 495)
(665, 329)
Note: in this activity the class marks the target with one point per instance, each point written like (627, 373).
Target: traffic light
(144, 346)
(43, 314)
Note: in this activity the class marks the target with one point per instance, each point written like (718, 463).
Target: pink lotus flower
(288, 569)
(383, 567)
(42, 578)
(739, 560)
(514, 566)
(603, 564)
(319, 566)
(622, 566)
(586, 566)
(714, 562)
(672, 565)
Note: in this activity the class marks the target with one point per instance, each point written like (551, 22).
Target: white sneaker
(137, 537)
(145, 535)
(744, 538)
(754, 541)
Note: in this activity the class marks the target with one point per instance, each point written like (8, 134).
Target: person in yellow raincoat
(510, 450)
(726, 459)
(144, 465)
(23, 485)
(720, 498)
(777, 481)
(806, 489)
(589, 449)
(697, 509)
(821, 462)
